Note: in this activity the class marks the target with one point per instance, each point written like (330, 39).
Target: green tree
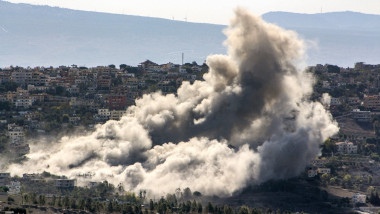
(110, 207)
(73, 204)
(347, 180)
(81, 205)
(122, 66)
(243, 210)
(8, 86)
(65, 118)
(5, 106)
(325, 178)
(187, 193)
(88, 205)
(26, 198)
(369, 179)
(10, 199)
(197, 194)
(59, 204)
(328, 146)
(53, 200)
(227, 210)
(41, 200)
(200, 208)
(151, 205)
(194, 206)
(59, 90)
(209, 208)
(66, 202)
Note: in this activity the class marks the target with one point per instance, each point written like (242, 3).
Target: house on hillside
(358, 198)
(346, 147)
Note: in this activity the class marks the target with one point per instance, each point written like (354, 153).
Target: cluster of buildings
(318, 166)
(14, 184)
(353, 90)
(91, 95)
(106, 85)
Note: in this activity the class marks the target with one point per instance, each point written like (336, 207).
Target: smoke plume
(249, 121)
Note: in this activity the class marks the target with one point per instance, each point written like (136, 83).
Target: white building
(346, 147)
(74, 119)
(324, 170)
(358, 198)
(64, 183)
(361, 116)
(14, 187)
(104, 112)
(335, 101)
(92, 184)
(24, 102)
(182, 70)
(5, 175)
(116, 114)
(313, 171)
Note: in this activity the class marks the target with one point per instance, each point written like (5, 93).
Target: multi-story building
(4, 178)
(371, 102)
(346, 147)
(16, 134)
(103, 114)
(361, 116)
(23, 102)
(64, 183)
(116, 114)
(4, 77)
(17, 140)
(21, 77)
(117, 102)
(14, 187)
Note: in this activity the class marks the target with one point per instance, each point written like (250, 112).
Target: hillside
(42, 35)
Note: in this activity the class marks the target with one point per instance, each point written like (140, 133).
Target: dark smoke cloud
(255, 99)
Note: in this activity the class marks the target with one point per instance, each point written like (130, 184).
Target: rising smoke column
(249, 121)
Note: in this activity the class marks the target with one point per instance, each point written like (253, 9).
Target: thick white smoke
(250, 120)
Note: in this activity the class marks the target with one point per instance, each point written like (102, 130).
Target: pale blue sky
(209, 11)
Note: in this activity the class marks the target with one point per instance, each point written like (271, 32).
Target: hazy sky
(210, 11)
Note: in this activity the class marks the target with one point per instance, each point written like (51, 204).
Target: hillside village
(45, 101)
(72, 97)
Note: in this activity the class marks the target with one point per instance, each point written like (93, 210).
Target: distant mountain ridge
(341, 38)
(41, 35)
(332, 20)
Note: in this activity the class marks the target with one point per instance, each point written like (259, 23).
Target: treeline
(163, 206)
